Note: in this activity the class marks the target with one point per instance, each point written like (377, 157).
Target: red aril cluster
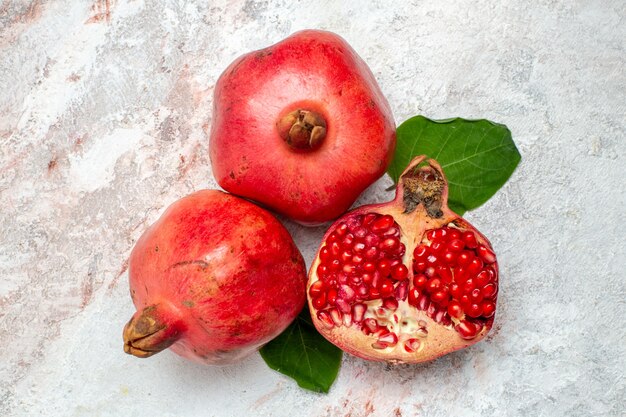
(456, 274)
(404, 281)
(361, 261)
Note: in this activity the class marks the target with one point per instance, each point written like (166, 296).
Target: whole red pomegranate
(214, 278)
(405, 281)
(301, 127)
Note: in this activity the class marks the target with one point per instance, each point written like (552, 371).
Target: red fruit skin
(314, 70)
(221, 274)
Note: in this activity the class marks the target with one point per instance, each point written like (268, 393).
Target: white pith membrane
(407, 324)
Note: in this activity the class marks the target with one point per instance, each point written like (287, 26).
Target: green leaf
(303, 354)
(477, 156)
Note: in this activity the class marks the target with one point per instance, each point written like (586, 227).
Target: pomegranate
(405, 281)
(214, 278)
(301, 127)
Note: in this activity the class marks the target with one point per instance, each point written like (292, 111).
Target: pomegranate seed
(475, 266)
(456, 245)
(455, 310)
(456, 290)
(389, 245)
(469, 286)
(454, 234)
(317, 288)
(469, 239)
(347, 319)
(437, 246)
(360, 232)
(464, 258)
(483, 278)
(466, 302)
(342, 229)
(467, 329)
(439, 315)
(346, 292)
(369, 217)
(420, 280)
(439, 296)
(357, 259)
(390, 303)
(376, 279)
(384, 267)
(349, 269)
(358, 312)
(449, 257)
(332, 237)
(421, 252)
(437, 234)
(367, 277)
(335, 249)
(399, 272)
(372, 240)
(386, 288)
(370, 324)
(348, 240)
(371, 253)
(358, 247)
(444, 273)
(392, 232)
(342, 278)
(412, 345)
(343, 305)
(331, 296)
(325, 318)
(432, 310)
(363, 290)
(476, 296)
(489, 290)
(460, 274)
(319, 302)
(386, 340)
(346, 256)
(432, 259)
(369, 266)
(325, 253)
(433, 285)
(430, 272)
(485, 254)
(374, 293)
(423, 302)
(489, 308)
(475, 310)
(413, 296)
(322, 270)
(355, 280)
(419, 266)
(402, 290)
(382, 224)
(336, 316)
(335, 265)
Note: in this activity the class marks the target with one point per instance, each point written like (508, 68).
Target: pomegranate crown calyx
(423, 183)
(302, 129)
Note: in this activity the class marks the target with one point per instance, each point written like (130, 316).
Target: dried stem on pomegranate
(150, 331)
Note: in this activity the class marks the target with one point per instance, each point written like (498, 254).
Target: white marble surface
(104, 111)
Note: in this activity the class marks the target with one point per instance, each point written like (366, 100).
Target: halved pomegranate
(405, 281)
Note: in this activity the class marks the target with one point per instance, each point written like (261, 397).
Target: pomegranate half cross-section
(405, 281)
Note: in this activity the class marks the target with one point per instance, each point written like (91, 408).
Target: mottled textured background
(104, 112)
